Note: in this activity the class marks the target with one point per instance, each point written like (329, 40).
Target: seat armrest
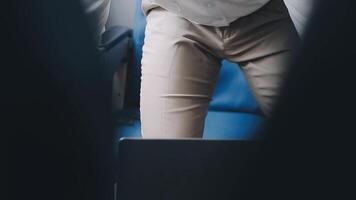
(113, 36)
(114, 51)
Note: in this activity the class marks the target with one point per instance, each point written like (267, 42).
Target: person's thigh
(266, 76)
(178, 78)
(263, 44)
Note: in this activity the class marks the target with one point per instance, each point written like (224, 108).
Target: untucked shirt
(97, 12)
(211, 12)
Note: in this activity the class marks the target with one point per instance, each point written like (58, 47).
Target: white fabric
(300, 11)
(97, 12)
(211, 12)
(91, 6)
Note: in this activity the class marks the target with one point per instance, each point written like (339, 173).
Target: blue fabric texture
(232, 93)
(134, 71)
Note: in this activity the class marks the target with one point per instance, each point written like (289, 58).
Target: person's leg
(263, 43)
(178, 76)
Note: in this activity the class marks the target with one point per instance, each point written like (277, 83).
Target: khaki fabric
(181, 63)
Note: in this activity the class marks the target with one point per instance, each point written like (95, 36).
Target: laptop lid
(182, 169)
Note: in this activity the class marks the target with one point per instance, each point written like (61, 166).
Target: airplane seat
(233, 113)
(114, 47)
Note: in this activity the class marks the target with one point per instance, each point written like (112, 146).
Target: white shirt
(97, 12)
(300, 11)
(211, 12)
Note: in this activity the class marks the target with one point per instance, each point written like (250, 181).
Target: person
(97, 13)
(185, 42)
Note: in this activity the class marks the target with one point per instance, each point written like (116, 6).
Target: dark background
(56, 109)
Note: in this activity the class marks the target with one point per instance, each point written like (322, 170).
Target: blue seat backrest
(232, 91)
(134, 71)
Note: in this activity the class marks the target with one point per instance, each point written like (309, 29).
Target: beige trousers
(181, 63)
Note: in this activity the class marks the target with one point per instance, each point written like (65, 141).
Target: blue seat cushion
(233, 93)
(232, 125)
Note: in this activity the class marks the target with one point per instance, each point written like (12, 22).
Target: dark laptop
(182, 169)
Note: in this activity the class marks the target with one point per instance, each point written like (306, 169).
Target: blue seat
(233, 113)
